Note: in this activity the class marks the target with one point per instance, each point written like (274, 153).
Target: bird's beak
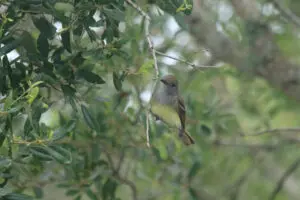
(164, 81)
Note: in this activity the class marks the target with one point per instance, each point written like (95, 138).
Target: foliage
(72, 112)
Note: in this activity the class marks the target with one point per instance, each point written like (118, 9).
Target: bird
(168, 106)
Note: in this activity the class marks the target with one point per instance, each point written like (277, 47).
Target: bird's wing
(181, 112)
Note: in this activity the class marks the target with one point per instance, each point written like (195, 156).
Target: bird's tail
(185, 137)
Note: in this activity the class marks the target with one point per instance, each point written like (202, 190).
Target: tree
(76, 77)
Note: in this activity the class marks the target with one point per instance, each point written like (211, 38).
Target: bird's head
(170, 84)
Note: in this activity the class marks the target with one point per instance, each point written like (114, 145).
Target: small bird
(168, 106)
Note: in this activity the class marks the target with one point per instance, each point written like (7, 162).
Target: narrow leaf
(44, 27)
(194, 169)
(117, 82)
(88, 118)
(91, 194)
(43, 45)
(90, 76)
(66, 40)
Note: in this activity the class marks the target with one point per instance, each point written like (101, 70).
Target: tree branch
(284, 177)
(288, 14)
(275, 131)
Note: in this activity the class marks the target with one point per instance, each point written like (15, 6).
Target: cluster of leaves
(53, 66)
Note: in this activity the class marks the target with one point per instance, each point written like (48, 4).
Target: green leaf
(43, 45)
(61, 132)
(117, 81)
(78, 197)
(32, 94)
(60, 154)
(17, 196)
(66, 41)
(194, 169)
(29, 44)
(115, 14)
(91, 194)
(205, 130)
(45, 27)
(72, 192)
(38, 191)
(10, 46)
(64, 7)
(146, 67)
(109, 189)
(64, 185)
(40, 153)
(68, 90)
(90, 76)
(95, 152)
(4, 163)
(4, 191)
(193, 193)
(180, 19)
(88, 118)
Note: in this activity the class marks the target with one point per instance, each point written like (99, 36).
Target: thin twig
(116, 175)
(287, 13)
(186, 62)
(153, 53)
(147, 129)
(246, 145)
(275, 131)
(284, 177)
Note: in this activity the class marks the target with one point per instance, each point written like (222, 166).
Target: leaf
(115, 14)
(40, 153)
(45, 27)
(7, 67)
(17, 196)
(117, 81)
(72, 192)
(193, 193)
(90, 76)
(78, 197)
(88, 118)
(61, 132)
(32, 94)
(194, 169)
(38, 191)
(146, 67)
(66, 41)
(205, 130)
(68, 90)
(4, 163)
(64, 7)
(29, 44)
(95, 152)
(43, 45)
(4, 191)
(109, 189)
(10, 46)
(91, 194)
(60, 154)
(64, 185)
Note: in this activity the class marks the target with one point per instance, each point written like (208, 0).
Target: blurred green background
(76, 77)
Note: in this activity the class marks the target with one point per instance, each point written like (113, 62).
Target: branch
(275, 131)
(289, 15)
(151, 47)
(284, 177)
(246, 145)
(186, 62)
(116, 174)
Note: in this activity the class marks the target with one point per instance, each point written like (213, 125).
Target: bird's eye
(173, 85)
